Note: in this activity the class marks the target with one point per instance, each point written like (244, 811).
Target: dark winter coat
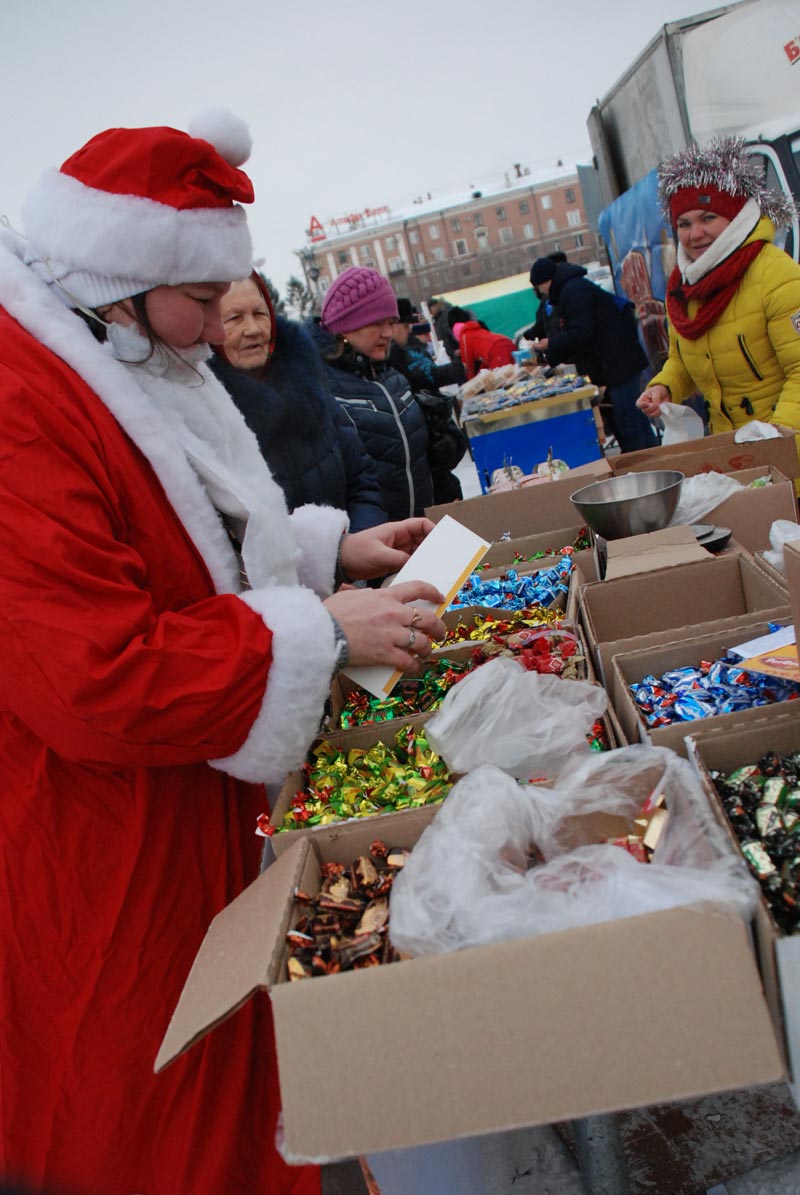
(447, 443)
(312, 449)
(389, 421)
(597, 335)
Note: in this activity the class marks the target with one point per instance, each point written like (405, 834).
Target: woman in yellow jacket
(733, 299)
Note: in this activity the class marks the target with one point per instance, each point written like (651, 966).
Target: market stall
(519, 417)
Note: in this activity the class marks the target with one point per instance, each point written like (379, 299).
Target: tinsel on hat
(722, 165)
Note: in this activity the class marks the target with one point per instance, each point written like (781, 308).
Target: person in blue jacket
(353, 336)
(598, 336)
(272, 371)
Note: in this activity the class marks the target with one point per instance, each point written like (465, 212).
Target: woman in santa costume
(733, 299)
(168, 639)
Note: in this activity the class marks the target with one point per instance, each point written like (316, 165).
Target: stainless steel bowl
(629, 505)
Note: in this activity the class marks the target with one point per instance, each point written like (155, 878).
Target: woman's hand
(383, 626)
(382, 550)
(652, 398)
(540, 346)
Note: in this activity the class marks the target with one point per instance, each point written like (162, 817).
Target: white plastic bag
(755, 430)
(518, 721)
(469, 881)
(782, 532)
(701, 494)
(681, 423)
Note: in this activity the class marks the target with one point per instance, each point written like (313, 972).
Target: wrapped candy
(762, 802)
(581, 543)
(711, 688)
(513, 590)
(341, 784)
(500, 623)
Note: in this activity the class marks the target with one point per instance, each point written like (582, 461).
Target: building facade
(436, 246)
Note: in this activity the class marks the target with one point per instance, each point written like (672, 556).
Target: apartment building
(437, 245)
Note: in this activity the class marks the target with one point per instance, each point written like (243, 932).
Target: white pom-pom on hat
(227, 132)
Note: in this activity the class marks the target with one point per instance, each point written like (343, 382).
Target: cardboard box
(501, 554)
(625, 1014)
(630, 667)
(715, 454)
(779, 956)
(539, 508)
(751, 513)
(654, 550)
(791, 560)
(615, 612)
(362, 737)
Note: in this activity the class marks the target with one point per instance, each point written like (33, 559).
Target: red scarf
(714, 292)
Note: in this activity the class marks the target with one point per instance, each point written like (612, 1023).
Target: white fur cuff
(317, 531)
(299, 681)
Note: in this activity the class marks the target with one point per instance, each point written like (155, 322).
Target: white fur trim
(732, 236)
(227, 132)
(317, 531)
(40, 312)
(303, 657)
(78, 228)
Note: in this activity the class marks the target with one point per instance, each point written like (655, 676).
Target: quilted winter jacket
(312, 449)
(390, 422)
(747, 366)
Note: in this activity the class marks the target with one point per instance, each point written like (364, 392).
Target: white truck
(734, 69)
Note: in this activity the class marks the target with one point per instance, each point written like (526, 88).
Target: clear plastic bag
(521, 722)
(468, 880)
(782, 532)
(756, 429)
(701, 494)
(681, 423)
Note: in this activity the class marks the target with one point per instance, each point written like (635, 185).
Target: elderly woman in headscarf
(733, 299)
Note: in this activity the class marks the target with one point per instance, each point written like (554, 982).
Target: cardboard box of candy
(747, 810)
(614, 613)
(560, 650)
(751, 513)
(525, 550)
(687, 695)
(618, 1015)
(715, 454)
(367, 787)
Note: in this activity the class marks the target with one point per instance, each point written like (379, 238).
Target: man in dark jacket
(599, 337)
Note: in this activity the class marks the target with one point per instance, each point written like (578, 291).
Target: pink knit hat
(358, 297)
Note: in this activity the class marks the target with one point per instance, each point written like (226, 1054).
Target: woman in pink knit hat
(354, 335)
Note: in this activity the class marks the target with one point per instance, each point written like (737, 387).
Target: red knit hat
(709, 199)
(719, 177)
(358, 297)
(139, 208)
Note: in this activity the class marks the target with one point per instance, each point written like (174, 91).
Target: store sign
(316, 230)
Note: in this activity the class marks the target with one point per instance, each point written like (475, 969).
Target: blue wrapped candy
(719, 687)
(515, 592)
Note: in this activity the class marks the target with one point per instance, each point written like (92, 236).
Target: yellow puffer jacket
(747, 365)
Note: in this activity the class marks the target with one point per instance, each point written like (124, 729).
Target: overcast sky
(351, 105)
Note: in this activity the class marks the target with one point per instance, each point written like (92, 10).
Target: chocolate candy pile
(713, 687)
(762, 802)
(359, 782)
(582, 541)
(512, 591)
(344, 928)
(500, 624)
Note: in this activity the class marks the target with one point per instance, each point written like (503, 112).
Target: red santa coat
(124, 670)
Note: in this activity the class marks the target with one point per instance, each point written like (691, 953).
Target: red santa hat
(139, 208)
